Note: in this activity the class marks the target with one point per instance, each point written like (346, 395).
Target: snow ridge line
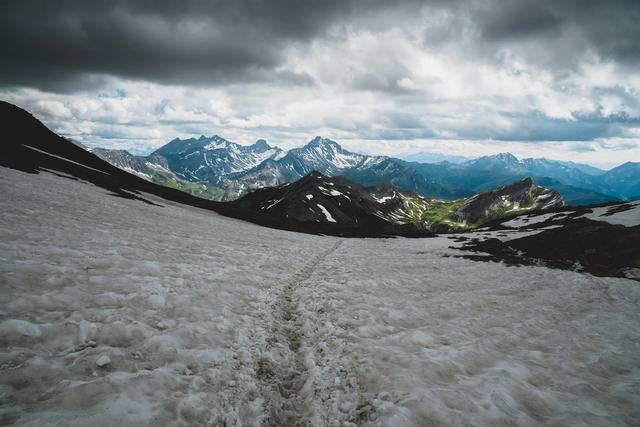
(286, 399)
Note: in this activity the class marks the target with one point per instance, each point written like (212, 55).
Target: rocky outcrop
(521, 195)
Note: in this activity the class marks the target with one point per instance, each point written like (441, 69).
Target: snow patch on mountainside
(326, 213)
(526, 220)
(385, 198)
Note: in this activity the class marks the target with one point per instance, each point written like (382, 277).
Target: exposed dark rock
(321, 204)
(597, 247)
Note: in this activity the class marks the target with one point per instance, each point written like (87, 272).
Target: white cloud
(390, 90)
(55, 109)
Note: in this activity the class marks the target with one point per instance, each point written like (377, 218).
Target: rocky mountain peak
(521, 195)
(524, 184)
(506, 157)
(261, 145)
(319, 141)
(500, 160)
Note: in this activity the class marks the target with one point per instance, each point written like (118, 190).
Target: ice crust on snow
(206, 319)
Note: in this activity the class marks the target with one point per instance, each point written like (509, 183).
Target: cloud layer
(439, 74)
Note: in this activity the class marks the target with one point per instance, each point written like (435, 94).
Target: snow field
(524, 221)
(115, 312)
(441, 341)
(172, 295)
(628, 218)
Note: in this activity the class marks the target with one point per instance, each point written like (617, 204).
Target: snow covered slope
(120, 312)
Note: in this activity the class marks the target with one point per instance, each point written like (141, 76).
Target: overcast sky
(552, 78)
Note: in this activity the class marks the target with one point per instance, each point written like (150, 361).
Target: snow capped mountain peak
(216, 142)
(203, 139)
(319, 141)
(501, 160)
(327, 156)
(505, 158)
(217, 138)
(208, 157)
(190, 145)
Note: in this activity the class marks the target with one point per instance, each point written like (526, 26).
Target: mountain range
(316, 203)
(215, 168)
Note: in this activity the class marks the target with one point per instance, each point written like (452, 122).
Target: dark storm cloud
(515, 21)
(67, 44)
(46, 44)
(610, 28)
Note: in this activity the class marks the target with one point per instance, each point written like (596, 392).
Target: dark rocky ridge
(327, 205)
(596, 247)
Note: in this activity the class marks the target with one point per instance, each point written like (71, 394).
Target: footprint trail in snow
(287, 400)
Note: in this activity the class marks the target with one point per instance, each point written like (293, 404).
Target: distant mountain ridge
(567, 173)
(216, 168)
